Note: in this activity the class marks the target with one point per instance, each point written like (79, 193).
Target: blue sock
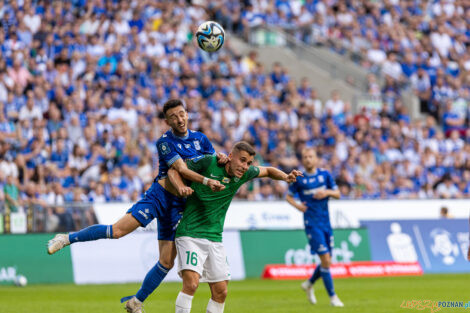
(93, 232)
(327, 280)
(315, 275)
(153, 278)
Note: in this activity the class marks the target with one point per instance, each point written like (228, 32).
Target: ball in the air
(21, 281)
(210, 36)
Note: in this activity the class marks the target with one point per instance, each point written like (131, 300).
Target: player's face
(177, 119)
(309, 159)
(240, 161)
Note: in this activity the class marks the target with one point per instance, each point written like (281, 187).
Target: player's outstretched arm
(184, 171)
(277, 174)
(299, 206)
(177, 181)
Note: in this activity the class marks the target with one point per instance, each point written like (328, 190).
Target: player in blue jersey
(313, 190)
(162, 200)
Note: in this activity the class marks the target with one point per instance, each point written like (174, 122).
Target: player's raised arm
(191, 175)
(177, 181)
(277, 174)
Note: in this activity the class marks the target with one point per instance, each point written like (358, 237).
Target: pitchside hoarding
(290, 247)
(440, 246)
(26, 255)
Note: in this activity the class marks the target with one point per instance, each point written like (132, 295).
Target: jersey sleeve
(253, 172)
(207, 147)
(330, 182)
(167, 153)
(200, 163)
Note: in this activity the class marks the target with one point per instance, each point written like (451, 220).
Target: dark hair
(244, 146)
(172, 103)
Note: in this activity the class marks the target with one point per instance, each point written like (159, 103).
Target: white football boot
(335, 301)
(308, 288)
(58, 242)
(134, 306)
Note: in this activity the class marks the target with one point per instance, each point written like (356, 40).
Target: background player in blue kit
(314, 189)
(162, 200)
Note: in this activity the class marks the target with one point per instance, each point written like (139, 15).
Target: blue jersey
(305, 187)
(171, 148)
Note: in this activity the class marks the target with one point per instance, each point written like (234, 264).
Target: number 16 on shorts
(191, 258)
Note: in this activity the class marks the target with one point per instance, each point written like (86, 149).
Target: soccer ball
(210, 36)
(21, 281)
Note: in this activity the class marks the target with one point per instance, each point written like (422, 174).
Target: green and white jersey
(205, 211)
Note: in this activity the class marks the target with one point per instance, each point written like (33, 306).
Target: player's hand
(320, 194)
(185, 191)
(215, 185)
(292, 176)
(302, 207)
(222, 158)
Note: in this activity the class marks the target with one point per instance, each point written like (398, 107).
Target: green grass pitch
(375, 295)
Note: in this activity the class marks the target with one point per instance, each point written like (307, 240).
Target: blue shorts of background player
(320, 240)
(162, 205)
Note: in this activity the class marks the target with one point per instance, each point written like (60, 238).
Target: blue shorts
(320, 240)
(162, 205)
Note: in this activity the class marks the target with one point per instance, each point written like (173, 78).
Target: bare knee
(118, 232)
(167, 261)
(219, 295)
(190, 285)
(325, 261)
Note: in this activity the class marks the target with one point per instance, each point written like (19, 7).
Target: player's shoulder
(196, 134)
(164, 138)
(322, 171)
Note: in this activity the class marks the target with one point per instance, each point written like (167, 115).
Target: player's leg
(217, 274)
(185, 297)
(316, 245)
(192, 255)
(158, 273)
(121, 228)
(325, 258)
(218, 295)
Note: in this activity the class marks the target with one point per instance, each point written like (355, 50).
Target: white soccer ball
(21, 281)
(210, 36)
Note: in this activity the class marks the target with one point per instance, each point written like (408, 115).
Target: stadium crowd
(82, 85)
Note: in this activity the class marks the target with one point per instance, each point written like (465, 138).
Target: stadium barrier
(259, 215)
(40, 219)
(440, 246)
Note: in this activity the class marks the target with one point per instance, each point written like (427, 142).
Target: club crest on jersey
(226, 180)
(236, 179)
(164, 148)
(197, 145)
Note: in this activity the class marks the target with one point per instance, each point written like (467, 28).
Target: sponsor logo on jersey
(214, 176)
(226, 180)
(197, 145)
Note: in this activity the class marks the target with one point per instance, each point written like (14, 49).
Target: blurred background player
(161, 201)
(201, 253)
(314, 189)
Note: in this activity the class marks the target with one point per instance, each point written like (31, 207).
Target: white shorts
(205, 257)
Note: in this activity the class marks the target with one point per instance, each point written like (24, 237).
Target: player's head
(176, 116)
(309, 158)
(241, 157)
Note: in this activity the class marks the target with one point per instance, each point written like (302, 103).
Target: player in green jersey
(201, 254)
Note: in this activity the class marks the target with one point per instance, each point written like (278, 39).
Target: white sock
(215, 307)
(183, 303)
